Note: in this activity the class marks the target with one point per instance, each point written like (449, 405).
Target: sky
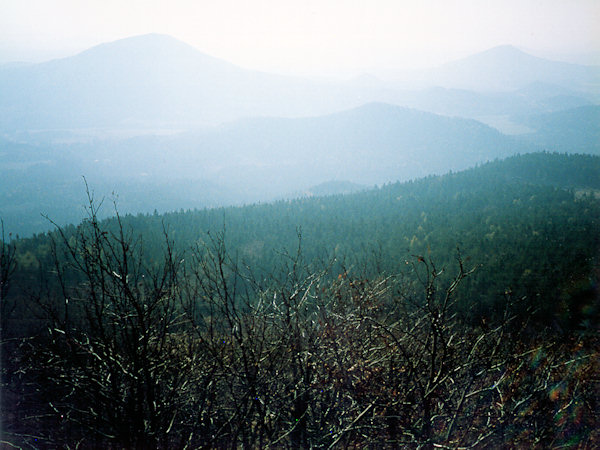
(311, 36)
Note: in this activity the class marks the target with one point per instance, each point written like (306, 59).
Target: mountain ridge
(155, 81)
(505, 68)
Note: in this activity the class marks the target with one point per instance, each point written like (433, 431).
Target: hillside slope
(531, 222)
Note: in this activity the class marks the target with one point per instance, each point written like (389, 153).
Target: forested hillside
(454, 310)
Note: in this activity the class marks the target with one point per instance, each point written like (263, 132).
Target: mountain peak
(506, 68)
(145, 53)
(505, 50)
(153, 42)
(499, 56)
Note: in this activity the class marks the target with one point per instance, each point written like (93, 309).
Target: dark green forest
(453, 311)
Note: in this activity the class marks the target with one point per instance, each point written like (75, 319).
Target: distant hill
(371, 144)
(575, 130)
(506, 68)
(157, 82)
(248, 160)
(267, 157)
(151, 81)
(534, 98)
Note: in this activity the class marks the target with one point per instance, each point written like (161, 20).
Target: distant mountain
(154, 82)
(151, 81)
(246, 161)
(534, 98)
(544, 97)
(371, 144)
(507, 68)
(575, 130)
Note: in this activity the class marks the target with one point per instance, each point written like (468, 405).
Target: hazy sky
(309, 36)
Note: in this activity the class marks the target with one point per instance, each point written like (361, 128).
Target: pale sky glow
(310, 36)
